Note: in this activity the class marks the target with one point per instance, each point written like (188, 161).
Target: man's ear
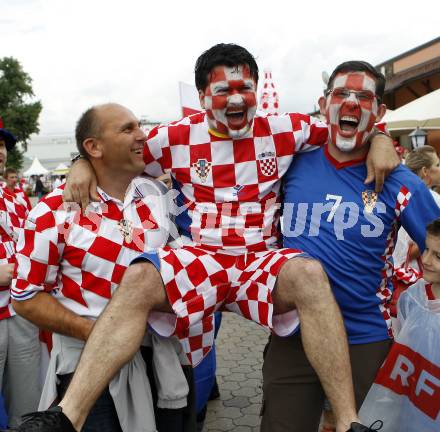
(322, 102)
(381, 110)
(202, 98)
(92, 147)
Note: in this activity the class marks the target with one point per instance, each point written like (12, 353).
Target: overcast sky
(84, 52)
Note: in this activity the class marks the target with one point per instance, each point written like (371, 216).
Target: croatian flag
(189, 99)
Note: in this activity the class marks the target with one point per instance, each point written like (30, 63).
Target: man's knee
(302, 280)
(142, 281)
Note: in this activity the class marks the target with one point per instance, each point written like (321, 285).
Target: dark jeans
(103, 416)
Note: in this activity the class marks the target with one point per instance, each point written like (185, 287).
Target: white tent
(35, 169)
(423, 112)
(60, 169)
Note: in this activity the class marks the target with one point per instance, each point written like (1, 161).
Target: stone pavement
(240, 345)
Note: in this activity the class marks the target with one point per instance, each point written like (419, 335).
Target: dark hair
(360, 66)
(86, 127)
(433, 228)
(8, 171)
(223, 55)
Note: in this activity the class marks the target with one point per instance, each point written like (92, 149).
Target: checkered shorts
(199, 282)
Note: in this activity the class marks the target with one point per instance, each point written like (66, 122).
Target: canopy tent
(61, 169)
(423, 112)
(35, 169)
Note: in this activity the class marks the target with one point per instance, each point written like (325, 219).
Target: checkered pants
(199, 282)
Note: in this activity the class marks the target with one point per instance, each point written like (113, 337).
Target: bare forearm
(6, 271)
(49, 314)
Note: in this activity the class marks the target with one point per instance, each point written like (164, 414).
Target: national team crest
(202, 167)
(369, 198)
(267, 163)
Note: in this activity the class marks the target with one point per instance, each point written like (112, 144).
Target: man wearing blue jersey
(330, 214)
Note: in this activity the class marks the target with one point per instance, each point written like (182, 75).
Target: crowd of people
(286, 220)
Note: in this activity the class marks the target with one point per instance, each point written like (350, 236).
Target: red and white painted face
(230, 100)
(351, 109)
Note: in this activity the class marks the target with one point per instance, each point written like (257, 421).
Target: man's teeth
(349, 119)
(137, 151)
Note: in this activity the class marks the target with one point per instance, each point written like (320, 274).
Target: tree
(18, 111)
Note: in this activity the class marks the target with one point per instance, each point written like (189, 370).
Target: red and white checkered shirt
(14, 208)
(81, 259)
(229, 190)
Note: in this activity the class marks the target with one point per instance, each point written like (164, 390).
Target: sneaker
(357, 427)
(52, 420)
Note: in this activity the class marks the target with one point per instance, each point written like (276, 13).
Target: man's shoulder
(53, 201)
(401, 176)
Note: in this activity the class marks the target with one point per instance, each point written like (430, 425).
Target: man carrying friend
(69, 266)
(351, 230)
(226, 165)
(19, 341)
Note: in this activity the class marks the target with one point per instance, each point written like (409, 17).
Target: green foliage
(18, 111)
(15, 159)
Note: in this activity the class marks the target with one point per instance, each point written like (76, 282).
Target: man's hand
(6, 272)
(382, 159)
(81, 184)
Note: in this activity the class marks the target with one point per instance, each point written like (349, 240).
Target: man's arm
(39, 252)
(48, 313)
(6, 272)
(381, 160)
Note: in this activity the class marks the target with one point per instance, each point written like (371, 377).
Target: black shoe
(52, 420)
(357, 427)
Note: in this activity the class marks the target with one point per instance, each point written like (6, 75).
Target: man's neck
(352, 155)
(10, 188)
(113, 183)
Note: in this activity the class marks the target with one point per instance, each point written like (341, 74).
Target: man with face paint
(353, 236)
(226, 165)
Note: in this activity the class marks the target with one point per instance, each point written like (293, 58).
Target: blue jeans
(102, 417)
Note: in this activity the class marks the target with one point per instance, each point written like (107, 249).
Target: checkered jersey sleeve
(157, 151)
(416, 208)
(39, 248)
(310, 133)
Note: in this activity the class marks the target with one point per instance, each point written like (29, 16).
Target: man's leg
(115, 338)
(292, 393)
(22, 388)
(303, 284)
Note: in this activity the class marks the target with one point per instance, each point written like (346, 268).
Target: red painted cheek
(219, 102)
(210, 114)
(250, 99)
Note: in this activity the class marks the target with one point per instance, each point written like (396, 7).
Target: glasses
(342, 93)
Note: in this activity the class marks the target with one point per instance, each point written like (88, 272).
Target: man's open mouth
(138, 151)
(348, 124)
(236, 117)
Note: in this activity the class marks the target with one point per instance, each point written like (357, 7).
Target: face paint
(351, 109)
(230, 100)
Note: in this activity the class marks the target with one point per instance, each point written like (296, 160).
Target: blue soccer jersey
(331, 214)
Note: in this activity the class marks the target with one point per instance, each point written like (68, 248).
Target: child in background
(406, 391)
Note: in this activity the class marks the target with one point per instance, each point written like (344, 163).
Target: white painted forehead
(341, 79)
(234, 72)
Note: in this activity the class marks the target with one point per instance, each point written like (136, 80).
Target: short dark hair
(223, 55)
(8, 171)
(360, 66)
(87, 127)
(433, 228)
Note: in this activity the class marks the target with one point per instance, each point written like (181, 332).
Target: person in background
(425, 163)
(19, 342)
(39, 189)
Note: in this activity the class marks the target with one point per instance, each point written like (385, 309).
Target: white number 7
(335, 206)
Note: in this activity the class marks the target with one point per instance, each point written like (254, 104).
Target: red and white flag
(269, 99)
(189, 99)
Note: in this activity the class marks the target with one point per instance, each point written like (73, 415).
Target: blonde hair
(419, 158)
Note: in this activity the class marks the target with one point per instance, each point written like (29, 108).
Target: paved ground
(240, 346)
